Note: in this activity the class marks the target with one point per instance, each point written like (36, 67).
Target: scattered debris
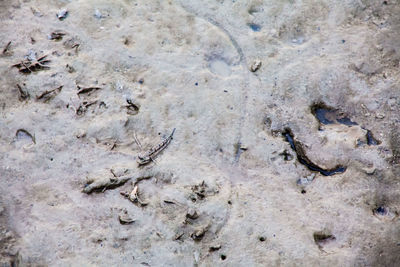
(22, 133)
(134, 196)
(62, 14)
(256, 65)
(23, 94)
(146, 158)
(379, 116)
(133, 108)
(48, 95)
(6, 50)
(31, 64)
(201, 191)
(57, 35)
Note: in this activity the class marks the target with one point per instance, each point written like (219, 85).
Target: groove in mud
(303, 159)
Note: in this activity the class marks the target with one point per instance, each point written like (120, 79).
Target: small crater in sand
(219, 67)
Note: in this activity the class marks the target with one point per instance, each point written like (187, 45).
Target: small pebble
(256, 65)
(380, 115)
(62, 14)
(97, 14)
(192, 214)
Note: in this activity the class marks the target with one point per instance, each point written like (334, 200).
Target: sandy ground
(253, 176)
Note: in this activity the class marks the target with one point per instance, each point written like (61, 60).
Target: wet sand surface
(287, 143)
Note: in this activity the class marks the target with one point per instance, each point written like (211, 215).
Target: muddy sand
(287, 143)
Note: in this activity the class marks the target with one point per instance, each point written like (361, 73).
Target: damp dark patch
(303, 159)
(328, 115)
(254, 27)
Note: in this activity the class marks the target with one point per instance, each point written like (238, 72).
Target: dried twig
(48, 95)
(7, 48)
(86, 90)
(28, 66)
(57, 35)
(23, 95)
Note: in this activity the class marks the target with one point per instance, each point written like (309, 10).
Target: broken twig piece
(6, 49)
(48, 95)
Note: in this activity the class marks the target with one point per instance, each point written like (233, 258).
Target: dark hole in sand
(303, 159)
(254, 27)
(380, 211)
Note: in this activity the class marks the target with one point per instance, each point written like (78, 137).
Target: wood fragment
(48, 95)
(85, 90)
(178, 236)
